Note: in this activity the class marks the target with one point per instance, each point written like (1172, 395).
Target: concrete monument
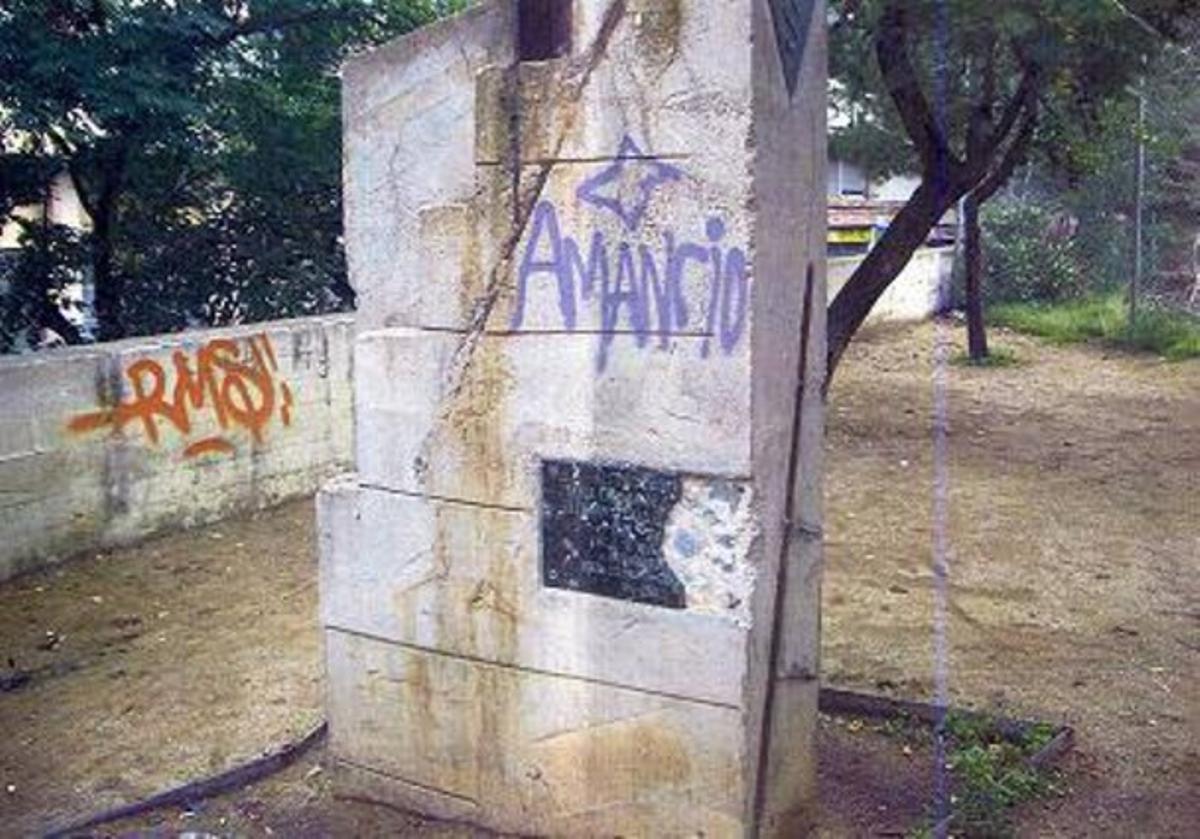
(573, 588)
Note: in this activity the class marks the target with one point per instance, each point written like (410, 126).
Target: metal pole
(1140, 200)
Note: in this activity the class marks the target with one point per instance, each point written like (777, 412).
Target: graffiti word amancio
(236, 383)
(638, 284)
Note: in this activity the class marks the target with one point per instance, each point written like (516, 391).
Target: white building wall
(921, 290)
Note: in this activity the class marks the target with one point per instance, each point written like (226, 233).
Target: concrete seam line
(232, 779)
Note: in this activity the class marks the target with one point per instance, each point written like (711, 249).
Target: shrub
(1023, 260)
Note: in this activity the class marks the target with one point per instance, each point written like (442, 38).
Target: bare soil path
(1075, 596)
(1075, 558)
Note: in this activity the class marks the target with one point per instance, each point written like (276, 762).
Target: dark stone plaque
(792, 18)
(602, 531)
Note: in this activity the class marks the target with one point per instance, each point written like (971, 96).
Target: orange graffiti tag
(238, 386)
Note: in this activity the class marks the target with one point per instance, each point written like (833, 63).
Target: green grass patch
(997, 357)
(1172, 335)
(991, 775)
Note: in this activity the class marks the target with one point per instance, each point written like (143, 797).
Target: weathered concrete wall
(550, 593)
(104, 444)
(921, 290)
(789, 363)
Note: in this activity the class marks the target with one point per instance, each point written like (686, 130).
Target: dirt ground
(869, 787)
(1075, 545)
(196, 652)
(157, 665)
(1074, 486)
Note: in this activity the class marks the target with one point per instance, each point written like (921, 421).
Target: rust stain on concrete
(614, 763)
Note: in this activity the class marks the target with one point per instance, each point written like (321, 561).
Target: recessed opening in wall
(544, 29)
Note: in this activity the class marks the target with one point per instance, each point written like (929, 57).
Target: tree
(954, 89)
(203, 140)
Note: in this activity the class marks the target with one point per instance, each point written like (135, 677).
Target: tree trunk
(887, 259)
(994, 147)
(977, 347)
(110, 324)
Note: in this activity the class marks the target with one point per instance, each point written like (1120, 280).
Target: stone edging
(236, 778)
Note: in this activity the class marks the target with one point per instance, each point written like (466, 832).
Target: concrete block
(671, 68)
(422, 255)
(467, 580)
(551, 594)
(648, 244)
(529, 397)
(409, 116)
(791, 785)
(529, 752)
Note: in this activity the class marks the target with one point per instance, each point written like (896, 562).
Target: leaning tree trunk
(993, 147)
(977, 347)
(882, 265)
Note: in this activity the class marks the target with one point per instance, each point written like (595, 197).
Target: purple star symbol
(606, 188)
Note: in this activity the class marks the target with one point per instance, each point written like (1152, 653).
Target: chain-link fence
(1116, 212)
(1167, 263)
(1139, 217)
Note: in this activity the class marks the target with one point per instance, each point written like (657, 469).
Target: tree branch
(1024, 98)
(983, 107)
(903, 85)
(883, 264)
(1000, 174)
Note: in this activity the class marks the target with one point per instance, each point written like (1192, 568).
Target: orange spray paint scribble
(211, 445)
(239, 388)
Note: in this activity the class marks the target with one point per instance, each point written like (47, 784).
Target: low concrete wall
(921, 290)
(105, 444)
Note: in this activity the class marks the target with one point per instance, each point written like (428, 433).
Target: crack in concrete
(579, 75)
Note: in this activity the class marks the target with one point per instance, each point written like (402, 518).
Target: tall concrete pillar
(573, 588)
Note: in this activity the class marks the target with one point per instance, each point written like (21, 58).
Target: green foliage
(203, 137)
(1169, 334)
(955, 90)
(1037, 737)
(1065, 323)
(1091, 166)
(23, 176)
(904, 728)
(991, 774)
(1025, 259)
(1085, 52)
